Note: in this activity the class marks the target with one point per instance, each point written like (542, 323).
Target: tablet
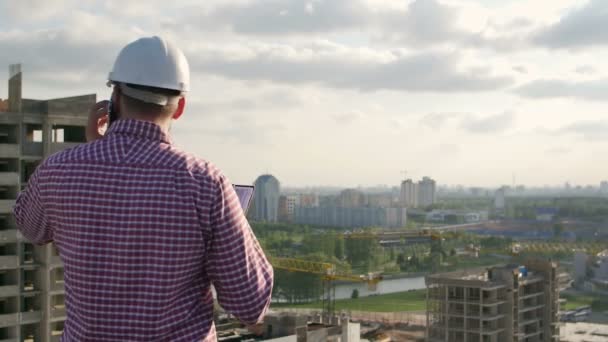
(245, 193)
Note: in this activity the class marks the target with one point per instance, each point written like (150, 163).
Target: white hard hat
(153, 62)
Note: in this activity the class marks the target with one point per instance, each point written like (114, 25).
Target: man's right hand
(98, 119)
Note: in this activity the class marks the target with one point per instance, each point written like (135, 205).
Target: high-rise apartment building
(604, 187)
(351, 198)
(427, 192)
(31, 277)
(518, 303)
(409, 194)
(499, 200)
(266, 199)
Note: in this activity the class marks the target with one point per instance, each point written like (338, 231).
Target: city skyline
(349, 92)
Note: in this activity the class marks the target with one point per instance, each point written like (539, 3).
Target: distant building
(266, 199)
(359, 217)
(283, 216)
(580, 266)
(546, 214)
(309, 200)
(409, 194)
(351, 198)
(604, 187)
(499, 200)
(509, 303)
(593, 270)
(427, 192)
(456, 216)
(379, 200)
(292, 201)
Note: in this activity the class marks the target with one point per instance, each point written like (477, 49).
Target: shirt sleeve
(236, 264)
(30, 215)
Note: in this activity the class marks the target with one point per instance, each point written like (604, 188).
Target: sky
(352, 92)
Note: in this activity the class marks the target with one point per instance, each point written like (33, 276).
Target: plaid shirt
(143, 230)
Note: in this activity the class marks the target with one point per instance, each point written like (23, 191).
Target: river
(344, 291)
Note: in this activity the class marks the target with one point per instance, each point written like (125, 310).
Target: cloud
(419, 23)
(70, 48)
(424, 22)
(520, 69)
(581, 27)
(593, 90)
(339, 66)
(490, 124)
(33, 9)
(594, 131)
(438, 120)
(585, 70)
(286, 16)
(255, 101)
(560, 150)
(240, 129)
(348, 118)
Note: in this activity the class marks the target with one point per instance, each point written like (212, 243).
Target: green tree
(355, 294)
(339, 249)
(558, 229)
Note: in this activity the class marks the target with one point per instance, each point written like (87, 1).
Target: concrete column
(14, 88)
(447, 314)
(466, 316)
(428, 313)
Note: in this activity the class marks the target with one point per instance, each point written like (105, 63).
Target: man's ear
(116, 94)
(180, 108)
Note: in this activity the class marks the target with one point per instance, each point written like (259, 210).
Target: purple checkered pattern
(143, 230)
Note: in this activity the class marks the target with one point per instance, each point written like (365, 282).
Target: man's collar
(139, 128)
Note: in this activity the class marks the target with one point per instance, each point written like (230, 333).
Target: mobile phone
(112, 115)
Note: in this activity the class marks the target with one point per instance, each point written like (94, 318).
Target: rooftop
(579, 332)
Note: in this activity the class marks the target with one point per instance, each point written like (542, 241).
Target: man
(144, 229)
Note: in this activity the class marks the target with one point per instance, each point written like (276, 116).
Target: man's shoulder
(68, 155)
(172, 157)
(195, 165)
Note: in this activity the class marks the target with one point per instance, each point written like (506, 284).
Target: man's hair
(135, 105)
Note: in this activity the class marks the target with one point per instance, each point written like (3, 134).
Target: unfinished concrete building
(31, 278)
(509, 303)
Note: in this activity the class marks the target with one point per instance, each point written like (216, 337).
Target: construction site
(31, 277)
(518, 302)
(510, 303)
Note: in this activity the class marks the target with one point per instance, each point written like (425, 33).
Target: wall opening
(30, 333)
(7, 222)
(68, 134)
(28, 254)
(30, 304)
(9, 165)
(8, 306)
(9, 134)
(9, 278)
(8, 249)
(8, 333)
(57, 277)
(8, 192)
(57, 329)
(33, 133)
(29, 281)
(27, 169)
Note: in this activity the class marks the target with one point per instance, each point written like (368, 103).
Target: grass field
(393, 302)
(597, 303)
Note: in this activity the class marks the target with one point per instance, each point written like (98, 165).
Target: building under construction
(31, 277)
(509, 303)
